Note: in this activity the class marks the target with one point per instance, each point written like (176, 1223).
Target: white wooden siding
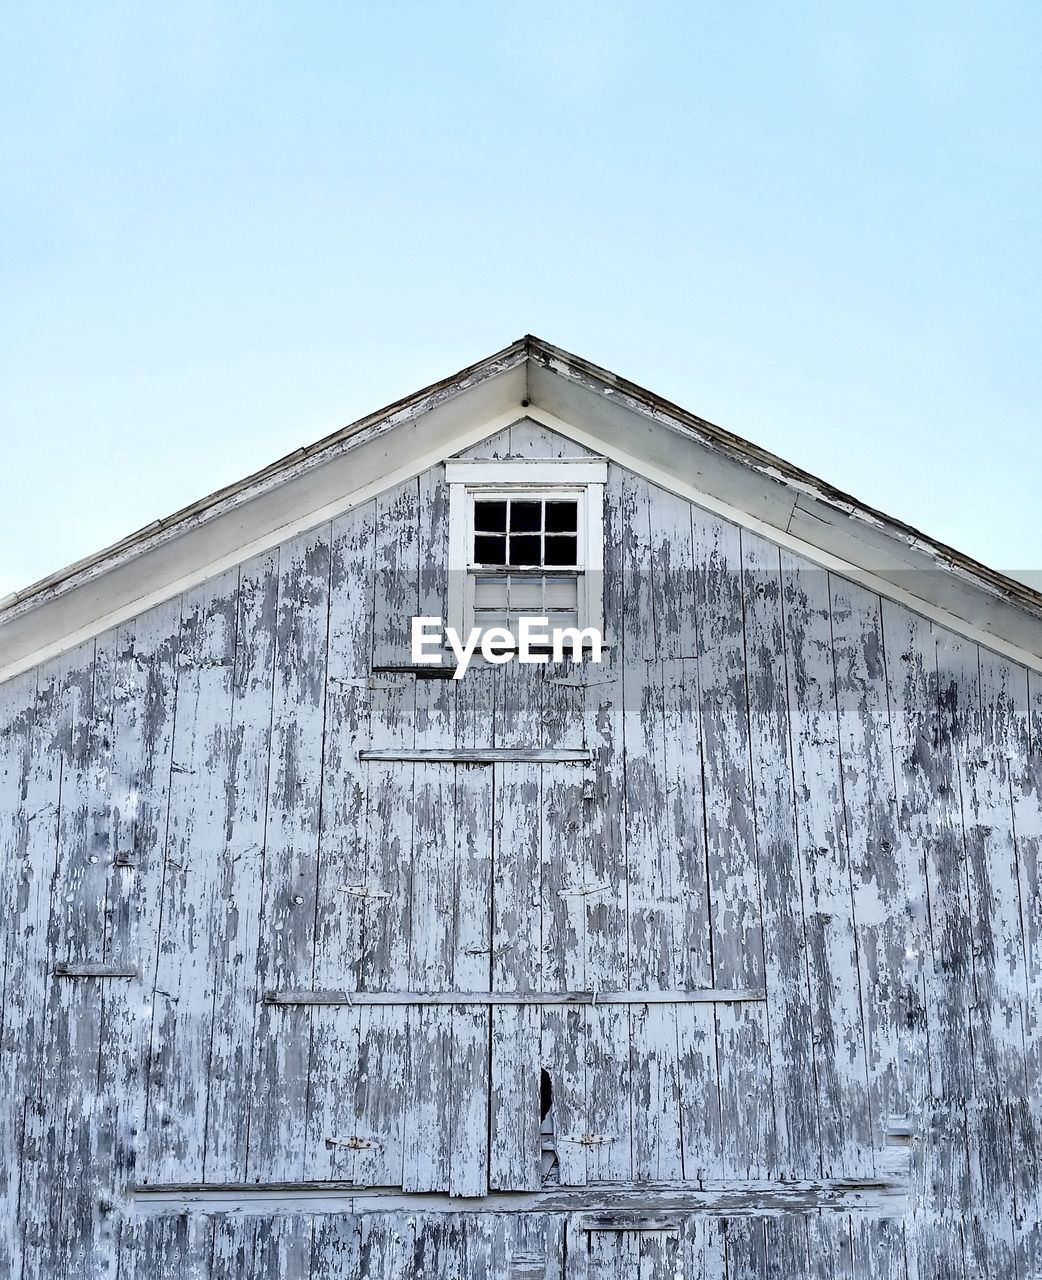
(781, 783)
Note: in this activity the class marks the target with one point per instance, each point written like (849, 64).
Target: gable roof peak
(598, 408)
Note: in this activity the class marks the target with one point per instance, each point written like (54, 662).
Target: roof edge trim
(283, 469)
(771, 466)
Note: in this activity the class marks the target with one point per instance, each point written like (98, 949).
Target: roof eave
(283, 470)
(813, 489)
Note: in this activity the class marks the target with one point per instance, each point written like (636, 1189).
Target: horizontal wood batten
(89, 969)
(445, 671)
(707, 996)
(478, 755)
(530, 471)
(631, 1222)
(651, 1201)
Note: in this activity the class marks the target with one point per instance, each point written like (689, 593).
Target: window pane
(485, 619)
(561, 517)
(567, 618)
(561, 593)
(490, 593)
(526, 517)
(526, 593)
(490, 517)
(490, 549)
(561, 549)
(524, 549)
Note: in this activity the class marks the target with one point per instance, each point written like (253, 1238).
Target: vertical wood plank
(745, 1248)
(885, 932)
(832, 961)
(666, 869)
(514, 1148)
(183, 982)
(386, 886)
(145, 682)
(20, 955)
(336, 1247)
(337, 1114)
(473, 940)
(784, 932)
(387, 1247)
(1026, 1113)
(530, 439)
(278, 1117)
(740, 1071)
(68, 1072)
(29, 1011)
(928, 826)
(237, 924)
(434, 1111)
(397, 568)
(977, 715)
(878, 1249)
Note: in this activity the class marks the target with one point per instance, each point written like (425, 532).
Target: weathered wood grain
(976, 743)
(24, 933)
(745, 1248)
(880, 889)
(183, 984)
(237, 941)
(735, 1081)
(936, 901)
(517, 937)
(1026, 1112)
(832, 963)
(278, 1115)
(667, 891)
(455, 996)
(755, 1198)
(790, 1030)
(606, 922)
(63, 1080)
(474, 755)
(145, 683)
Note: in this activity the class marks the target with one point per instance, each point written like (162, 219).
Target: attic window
(526, 541)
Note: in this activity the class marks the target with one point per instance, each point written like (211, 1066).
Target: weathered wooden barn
(721, 957)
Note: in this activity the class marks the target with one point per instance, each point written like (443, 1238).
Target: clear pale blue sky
(227, 229)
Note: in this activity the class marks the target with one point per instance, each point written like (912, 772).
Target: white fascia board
(192, 552)
(976, 629)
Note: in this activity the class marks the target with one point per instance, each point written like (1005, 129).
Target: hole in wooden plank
(550, 1168)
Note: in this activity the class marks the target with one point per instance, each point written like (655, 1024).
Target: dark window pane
(490, 549)
(561, 550)
(525, 517)
(524, 549)
(490, 517)
(560, 517)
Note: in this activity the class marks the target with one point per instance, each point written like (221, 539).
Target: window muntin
(525, 556)
(526, 532)
(503, 600)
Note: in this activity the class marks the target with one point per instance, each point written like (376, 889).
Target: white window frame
(583, 478)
